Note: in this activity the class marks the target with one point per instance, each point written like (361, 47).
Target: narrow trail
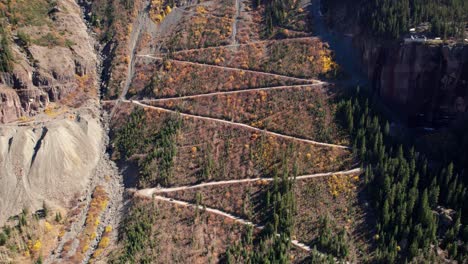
(240, 44)
(135, 36)
(235, 22)
(140, 22)
(151, 191)
(235, 92)
(272, 88)
(223, 214)
(237, 125)
(181, 9)
(155, 193)
(230, 68)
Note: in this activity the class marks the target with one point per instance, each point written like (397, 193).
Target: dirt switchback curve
(155, 193)
(224, 214)
(230, 68)
(237, 125)
(319, 83)
(240, 44)
(151, 191)
(235, 92)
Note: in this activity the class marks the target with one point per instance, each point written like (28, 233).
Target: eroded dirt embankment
(49, 162)
(57, 155)
(49, 154)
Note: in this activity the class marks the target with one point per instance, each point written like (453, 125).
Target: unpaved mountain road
(235, 92)
(235, 22)
(231, 69)
(240, 125)
(137, 28)
(238, 45)
(223, 214)
(156, 192)
(149, 192)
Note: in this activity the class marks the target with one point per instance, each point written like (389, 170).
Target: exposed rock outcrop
(426, 83)
(59, 66)
(53, 157)
(429, 84)
(10, 105)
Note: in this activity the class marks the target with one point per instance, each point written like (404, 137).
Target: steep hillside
(228, 109)
(49, 91)
(52, 162)
(229, 131)
(52, 138)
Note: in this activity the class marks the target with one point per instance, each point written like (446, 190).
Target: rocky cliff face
(427, 84)
(55, 64)
(10, 107)
(51, 154)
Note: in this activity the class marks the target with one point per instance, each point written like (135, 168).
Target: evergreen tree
(6, 55)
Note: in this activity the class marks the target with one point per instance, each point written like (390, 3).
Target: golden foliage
(201, 10)
(342, 184)
(47, 226)
(52, 111)
(167, 10)
(194, 149)
(23, 119)
(36, 246)
(104, 242)
(327, 62)
(98, 204)
(158, 11)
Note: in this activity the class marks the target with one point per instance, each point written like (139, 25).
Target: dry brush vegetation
(201, 150)
(304, 58)
(205, 25)
(159, 79)
(174, 234)
(302, 111)
(332, 198)
(181, 149)
(97, 206)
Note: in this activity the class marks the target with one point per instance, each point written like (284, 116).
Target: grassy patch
(27, 12)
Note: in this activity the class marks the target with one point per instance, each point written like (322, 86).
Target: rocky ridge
(53, 139)
(56, 64)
